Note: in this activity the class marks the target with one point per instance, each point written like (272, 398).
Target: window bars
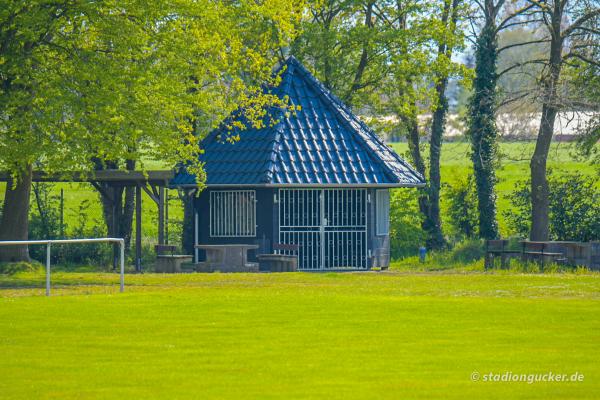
(233, 213)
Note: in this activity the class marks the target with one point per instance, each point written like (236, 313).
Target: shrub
(13, 268)
(44, 224)
(462, 208)
(468, 251)
(574, 208)
(406, 234)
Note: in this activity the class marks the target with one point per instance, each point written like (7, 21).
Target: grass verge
(298, 335)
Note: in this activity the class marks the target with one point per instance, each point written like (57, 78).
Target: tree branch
(582, 20)
(583, 58)
(538, 61)
(520, 11)
(521, 44)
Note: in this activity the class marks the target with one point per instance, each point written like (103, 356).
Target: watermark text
(509, 376)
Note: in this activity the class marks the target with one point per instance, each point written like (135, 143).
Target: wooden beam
(150, 193)
(123, 177)
(115, 231)
(161, 215)
(138, 228)
(166, 216)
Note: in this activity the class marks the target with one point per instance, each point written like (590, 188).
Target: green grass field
(397, 335)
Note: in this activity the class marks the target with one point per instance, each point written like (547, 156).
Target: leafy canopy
(129, 79)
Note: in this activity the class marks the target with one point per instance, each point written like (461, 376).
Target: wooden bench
(497, 248)
(538, 252)
(285, 258)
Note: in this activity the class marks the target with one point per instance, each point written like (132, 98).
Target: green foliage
(44, 217)
(465, 256)
(406, 234)
(468, 251)
(481, 129)
(44, 223)
(18, 267)
(380, 57)
(130, 79)
(574, 208)
(461, 197)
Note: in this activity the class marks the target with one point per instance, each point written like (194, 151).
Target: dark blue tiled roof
(321, 143)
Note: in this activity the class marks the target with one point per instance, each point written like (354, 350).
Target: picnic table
(538, 251)
(498, 248)
(227, 257)
(541, 251)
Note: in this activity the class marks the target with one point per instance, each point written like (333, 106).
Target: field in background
(514, 167)
(455, 165)
(369, 335)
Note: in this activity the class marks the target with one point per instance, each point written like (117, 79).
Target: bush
(406, 234)
(468, 251)
(574, 208)
(462, 208)
(44, 223)
(13, 268)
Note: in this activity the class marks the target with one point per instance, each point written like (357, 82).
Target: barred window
(383, 212)
(233, 213)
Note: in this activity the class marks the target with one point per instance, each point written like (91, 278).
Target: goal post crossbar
(50, 242)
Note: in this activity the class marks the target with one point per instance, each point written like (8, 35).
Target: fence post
(122, 243)
(48, 247)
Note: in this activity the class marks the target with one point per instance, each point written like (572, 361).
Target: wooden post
(166, 216)
(62, 213)
(138, 228)
(161, 215)
(115, 230)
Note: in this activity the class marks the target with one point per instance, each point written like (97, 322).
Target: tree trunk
(539, 183)
(124, 205)
(433, 223)
(127, 216)
(413, 139)
(15, 218)
(482, 130)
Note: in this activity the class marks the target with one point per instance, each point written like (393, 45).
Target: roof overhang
(309, 185)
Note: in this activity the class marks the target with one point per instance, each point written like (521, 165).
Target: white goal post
(49, 244)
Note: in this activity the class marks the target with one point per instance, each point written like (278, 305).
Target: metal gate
(328, 225)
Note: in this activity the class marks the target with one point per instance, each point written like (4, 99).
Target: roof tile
(322, 142)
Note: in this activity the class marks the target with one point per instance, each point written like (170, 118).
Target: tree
(390, 58)
(433, 221)
(344, 42)
(572, 30)
(481, 129)
(125, 81)
(422, 65)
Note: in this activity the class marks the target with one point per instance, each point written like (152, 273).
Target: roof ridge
(349, 117)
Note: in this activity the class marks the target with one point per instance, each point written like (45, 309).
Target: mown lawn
(397, 335)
